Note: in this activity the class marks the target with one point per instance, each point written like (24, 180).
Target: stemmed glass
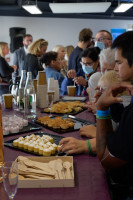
(10, 178)
(50, 100)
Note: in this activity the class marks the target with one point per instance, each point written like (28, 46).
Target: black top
(5, 70)
(74, 59)
(31, 64)
(120, 145)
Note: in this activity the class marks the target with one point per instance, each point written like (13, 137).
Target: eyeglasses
(101, 39)
(86, 64)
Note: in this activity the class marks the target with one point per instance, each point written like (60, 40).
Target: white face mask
(100, 45)
(87, 69)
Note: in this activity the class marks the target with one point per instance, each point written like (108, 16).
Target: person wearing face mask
(103, 39)
(90, 65)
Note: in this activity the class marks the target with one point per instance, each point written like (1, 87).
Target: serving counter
(90, 179)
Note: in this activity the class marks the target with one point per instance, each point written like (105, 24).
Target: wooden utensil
(67, 165)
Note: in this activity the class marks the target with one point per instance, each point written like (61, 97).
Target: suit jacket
(32, 64)
(18, 59)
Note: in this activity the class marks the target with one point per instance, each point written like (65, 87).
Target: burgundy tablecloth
(90, 179)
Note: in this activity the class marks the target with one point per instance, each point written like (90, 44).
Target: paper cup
(42, 78)
(71, 90)
(51, 84)
(7, 98)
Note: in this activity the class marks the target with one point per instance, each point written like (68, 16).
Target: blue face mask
(87, 69)
(100, 45)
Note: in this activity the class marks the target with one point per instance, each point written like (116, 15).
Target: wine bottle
(29, 95)
(21, 90)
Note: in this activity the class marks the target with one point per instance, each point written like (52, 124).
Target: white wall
(57, 30)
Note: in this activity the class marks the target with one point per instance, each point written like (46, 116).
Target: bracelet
(103, 113)
(89, 147)
(103, 117)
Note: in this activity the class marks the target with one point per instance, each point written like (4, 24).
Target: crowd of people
(103, 70)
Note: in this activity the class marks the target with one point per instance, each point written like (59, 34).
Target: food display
(56, 123)
(13, 124)
(42, 145)
(66, 107)
(59, 124)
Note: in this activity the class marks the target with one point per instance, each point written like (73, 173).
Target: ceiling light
(33, 9)
(79, 7)
(123, 7)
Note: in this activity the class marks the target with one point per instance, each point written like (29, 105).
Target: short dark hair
(85, 35)
(27, 35)
(48, 57)
(105, 31)
(125, 43)
(92, 53)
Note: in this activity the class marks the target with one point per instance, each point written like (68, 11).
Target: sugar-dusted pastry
(14, 129)
(25, 122)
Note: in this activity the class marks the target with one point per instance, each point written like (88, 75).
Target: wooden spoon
(52, 166)
(67, 165)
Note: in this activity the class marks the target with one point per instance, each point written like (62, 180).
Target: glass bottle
(21, 90)
(1, 145)
(29, 95)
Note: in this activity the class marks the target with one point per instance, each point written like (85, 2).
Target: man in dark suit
(20, 54)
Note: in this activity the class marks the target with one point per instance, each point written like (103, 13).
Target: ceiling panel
(14, 8)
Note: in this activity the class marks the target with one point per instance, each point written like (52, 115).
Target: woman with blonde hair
(60, 49)
(68, 49)
(33, 59)
(5, 69)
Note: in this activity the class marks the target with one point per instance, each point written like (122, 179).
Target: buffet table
(90, 180)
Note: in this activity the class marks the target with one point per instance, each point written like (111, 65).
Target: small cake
(55, 146)
(36, 148)
(46, 152)
(52, 150)
(15, 143)
(26, 145)
(41, 150)
(21, 144)
(64, 126)
(30, 147)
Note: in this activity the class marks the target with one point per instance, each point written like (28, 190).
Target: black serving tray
(31, 127)
(69, 98)
(70, 113)
(76, 127)
(84, 122)
(56, 140)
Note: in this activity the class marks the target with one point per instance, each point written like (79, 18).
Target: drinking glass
(50, 100)
(10, 178)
